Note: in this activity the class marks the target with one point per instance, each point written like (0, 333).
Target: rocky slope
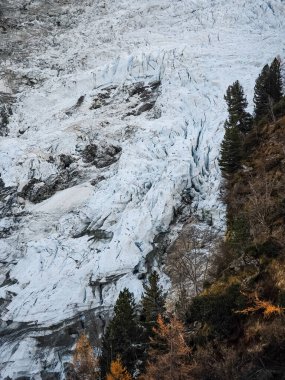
(110, 112)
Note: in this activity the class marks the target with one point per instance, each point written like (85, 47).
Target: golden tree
(169, 356)
(85, 362)
(118, 371)
(267, 308)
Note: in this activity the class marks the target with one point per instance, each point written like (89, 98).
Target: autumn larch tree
(169, 355)
(118, 371)
(86, 366)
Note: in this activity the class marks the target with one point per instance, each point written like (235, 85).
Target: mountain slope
(118, 109)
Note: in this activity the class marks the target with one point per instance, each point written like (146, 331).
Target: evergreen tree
(267, 90)
(275, 81)
(123, 335)
(261, 94)
(231, 151)
(153, 302)
(237, 103)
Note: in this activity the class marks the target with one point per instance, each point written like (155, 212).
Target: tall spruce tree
(153, 303)
(123, 335)
(231, 151)
(275, 81)
(237, 103)
(267, 90)
(261, 94)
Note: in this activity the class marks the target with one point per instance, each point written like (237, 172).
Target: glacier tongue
(119, 107)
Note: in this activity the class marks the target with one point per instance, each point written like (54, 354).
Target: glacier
(117, 109)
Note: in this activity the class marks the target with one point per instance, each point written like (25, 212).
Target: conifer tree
(267, 90)
(169, 355)
(231, 151)
(261, 94)
(237, 103)
(153, 302)
(275, 81)
(118, 371)
(85, 363)
(123, 335)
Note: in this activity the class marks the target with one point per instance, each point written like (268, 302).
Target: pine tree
(231, 151)
(153, 302)
(85, 363)
(169, 355)
(118, 371)
(261, 94)
(275, 81)
(268, 90)
(237, 103)
(123, 335)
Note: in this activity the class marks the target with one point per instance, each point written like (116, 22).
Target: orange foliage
(118, 371)
(85, 363)
(267, 308)
(169, 357)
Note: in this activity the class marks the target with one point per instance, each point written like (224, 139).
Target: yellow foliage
(169, 355)
(267, 308)
(84, 361)
(118, 371)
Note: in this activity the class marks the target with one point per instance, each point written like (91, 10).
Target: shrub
(218, 311)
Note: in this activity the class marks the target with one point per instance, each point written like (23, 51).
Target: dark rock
(97, 103)
(51, 159)
(95, 234)
(148, 94)
(6, 101)
(160, 244)
(137, 89)
(145, 107)
(31, 189)
(101, 156)
(65, 161)
(37, 191)
(50, 376)
(97, 180)
(102, 98)
(107, 157)
(8, 199)
(80, 101)
(155, 84)
(89, 153)
(187, 196)
(99, 234)
(8, 280)
(4, 121)
(142, 276)
(72, 109)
